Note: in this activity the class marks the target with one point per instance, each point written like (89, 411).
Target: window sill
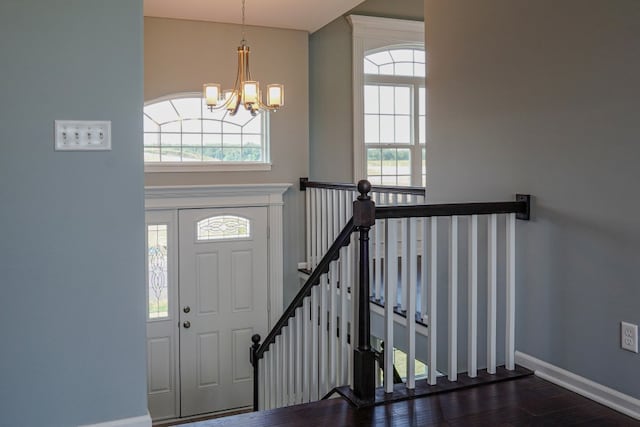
(205, 167)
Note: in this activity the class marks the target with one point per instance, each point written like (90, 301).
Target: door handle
(186, 324)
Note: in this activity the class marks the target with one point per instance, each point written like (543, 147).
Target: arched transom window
(394, 116)
(181, 130)
(396, 62)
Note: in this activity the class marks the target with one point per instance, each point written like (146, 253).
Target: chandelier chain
(243, 32)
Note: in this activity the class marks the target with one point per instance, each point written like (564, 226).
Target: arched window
(394, 116)
(389, 101)
(180, 131)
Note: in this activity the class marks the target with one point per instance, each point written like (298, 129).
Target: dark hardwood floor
(528, 401)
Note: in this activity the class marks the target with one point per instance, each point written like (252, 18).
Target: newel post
(364, 358)
(254, 361)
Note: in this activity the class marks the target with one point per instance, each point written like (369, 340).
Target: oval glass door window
(223, 227)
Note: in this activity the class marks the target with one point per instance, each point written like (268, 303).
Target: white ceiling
(309, 15)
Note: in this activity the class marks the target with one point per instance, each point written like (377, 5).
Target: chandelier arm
(247, 65)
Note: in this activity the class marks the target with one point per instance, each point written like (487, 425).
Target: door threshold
(201, 417)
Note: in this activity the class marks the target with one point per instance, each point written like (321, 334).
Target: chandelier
(246, 91)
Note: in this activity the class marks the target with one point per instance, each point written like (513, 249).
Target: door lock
(186, 324)
(186, 309)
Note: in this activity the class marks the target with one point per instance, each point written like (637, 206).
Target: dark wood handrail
(343, 239)
(520, 207)
(305, 183)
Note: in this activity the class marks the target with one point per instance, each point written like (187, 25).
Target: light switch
(80, 135)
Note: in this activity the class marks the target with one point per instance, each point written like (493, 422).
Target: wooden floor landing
(527, 401)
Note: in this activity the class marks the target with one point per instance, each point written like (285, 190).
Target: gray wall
(71, 224)
(331, 90)
(181, 55)
(542, 97)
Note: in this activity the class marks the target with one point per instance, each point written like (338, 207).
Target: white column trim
(369, 33)
(276, 263)
(590, 389)
(236, 195)
(142, 421)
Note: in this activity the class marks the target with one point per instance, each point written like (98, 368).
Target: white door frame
(172, 198)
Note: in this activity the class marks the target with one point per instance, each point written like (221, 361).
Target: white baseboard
(142, 421)
(607, 396)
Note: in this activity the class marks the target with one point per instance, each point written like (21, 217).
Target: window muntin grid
(182, 130)
(223, 227)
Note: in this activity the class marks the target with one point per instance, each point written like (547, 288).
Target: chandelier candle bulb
(250, 91)
(275, 95)
(230, 99)
(211, 94)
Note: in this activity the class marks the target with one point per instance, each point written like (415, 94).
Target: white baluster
(337, 222)
(432, 301)
(323, 374)
(424, 269)
(262, 395)
(331, 217)
(391, 275)
(472, 338)
(404, 262)
(300, 350)
(411, 238)
(492, 255)
(277, 356)
(315, 303)
(306, 371)
(307, 201)
(353, 311)
(272, 377)
(313, 228)
(292, 362)
(453, 299)
(510, 339)
(319, 251)
(372, 289)
(333, 325)
(341, 214)
(344, 316)
(377, 259)
(324, 213)
(284, 366)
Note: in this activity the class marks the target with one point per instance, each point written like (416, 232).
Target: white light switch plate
(81, 135)
(629, 336)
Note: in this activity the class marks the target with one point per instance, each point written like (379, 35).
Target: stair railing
(329, 206)
(306, 354)
(309, 351)
(417, 241)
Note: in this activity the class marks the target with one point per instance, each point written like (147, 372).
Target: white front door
(223, 298)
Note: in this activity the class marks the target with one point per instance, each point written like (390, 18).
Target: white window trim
(371, 33)
(205, 167)
(156, 167)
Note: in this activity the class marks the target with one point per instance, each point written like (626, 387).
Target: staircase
(444, 293)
